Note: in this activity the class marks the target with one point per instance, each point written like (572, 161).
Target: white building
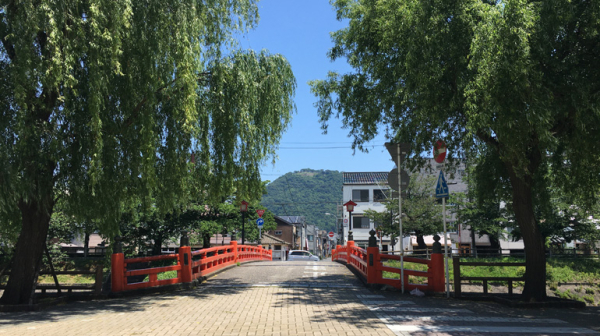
(367, 189)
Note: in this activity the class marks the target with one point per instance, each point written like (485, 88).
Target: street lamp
(243, 210)
(350, 207)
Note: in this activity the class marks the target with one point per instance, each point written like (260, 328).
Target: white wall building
(367, 189)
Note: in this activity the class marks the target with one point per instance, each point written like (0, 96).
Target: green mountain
(309, 193)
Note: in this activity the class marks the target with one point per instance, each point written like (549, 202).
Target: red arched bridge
(191, 265)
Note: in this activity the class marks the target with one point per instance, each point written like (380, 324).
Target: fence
(189, 264)
(95, 288)
(458, 279)
(488, 252)
(370, 264)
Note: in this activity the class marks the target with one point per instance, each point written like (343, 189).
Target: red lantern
(350, 206)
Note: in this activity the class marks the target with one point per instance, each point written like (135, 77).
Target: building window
(452, 227)
(310, 238)
(378, 195)
(360, 195)
(359, 222)
(278, 232)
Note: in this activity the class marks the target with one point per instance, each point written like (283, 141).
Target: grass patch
(558, 271)
(68, 279)
(409, 266)
(163, 276)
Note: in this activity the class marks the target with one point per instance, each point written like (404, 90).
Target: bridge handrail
(370, 264)
(187, 268)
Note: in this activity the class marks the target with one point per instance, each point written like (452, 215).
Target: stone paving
(208, 311)
(308, 299)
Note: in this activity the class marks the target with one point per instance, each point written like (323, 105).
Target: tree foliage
(148, 232)
(422, 215)
(103, 103)
(517, 80)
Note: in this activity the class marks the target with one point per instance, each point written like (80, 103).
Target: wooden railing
(206, 261)
(370, 264)
(95, 287)
(357, 258)
(458, 278)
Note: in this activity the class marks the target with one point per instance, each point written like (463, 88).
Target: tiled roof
(366, 178)
(292, 219)
(268, 239)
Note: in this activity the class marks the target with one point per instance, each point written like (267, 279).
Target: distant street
(293, 298)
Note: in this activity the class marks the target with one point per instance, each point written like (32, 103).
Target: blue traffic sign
(441, 190)
(260, 222)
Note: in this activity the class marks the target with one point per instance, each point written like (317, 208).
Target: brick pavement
(208, 311)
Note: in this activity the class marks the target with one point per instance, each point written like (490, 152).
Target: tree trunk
(28, 252)
(494, 244)
(473, 245)
(156, 248)
(86, 243)
(421, 246)
(535, 254)
(205, 240)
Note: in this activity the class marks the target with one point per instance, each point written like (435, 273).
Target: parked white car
(302, 255)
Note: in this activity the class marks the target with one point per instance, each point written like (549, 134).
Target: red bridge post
(349, 247)
(373, 275)
(234, 247)
(185, 258)
(436, 267)
(117, 266)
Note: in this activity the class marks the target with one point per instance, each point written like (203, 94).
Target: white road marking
(314, 274)
(486, 329)
(315, 268)
(368, 302)
(422, 310)
(442, 318)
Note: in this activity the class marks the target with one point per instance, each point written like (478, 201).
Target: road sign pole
(445, 242)
(400, 220)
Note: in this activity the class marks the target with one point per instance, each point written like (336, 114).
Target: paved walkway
(320, 298)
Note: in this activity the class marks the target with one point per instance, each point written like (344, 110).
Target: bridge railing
(189, 265)
(370, 263)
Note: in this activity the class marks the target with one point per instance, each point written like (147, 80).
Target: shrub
(589, 299)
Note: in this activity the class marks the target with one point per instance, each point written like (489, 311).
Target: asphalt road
(323, 273)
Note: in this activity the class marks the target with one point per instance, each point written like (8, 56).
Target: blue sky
(299, 30)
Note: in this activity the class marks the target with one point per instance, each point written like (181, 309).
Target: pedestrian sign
(441, 190)
(260, 222)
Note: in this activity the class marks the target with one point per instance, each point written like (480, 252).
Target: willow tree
(517, 79)
(104, 102)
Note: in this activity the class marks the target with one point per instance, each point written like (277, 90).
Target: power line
(315, 143)
(304, 203)
(332, 147)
